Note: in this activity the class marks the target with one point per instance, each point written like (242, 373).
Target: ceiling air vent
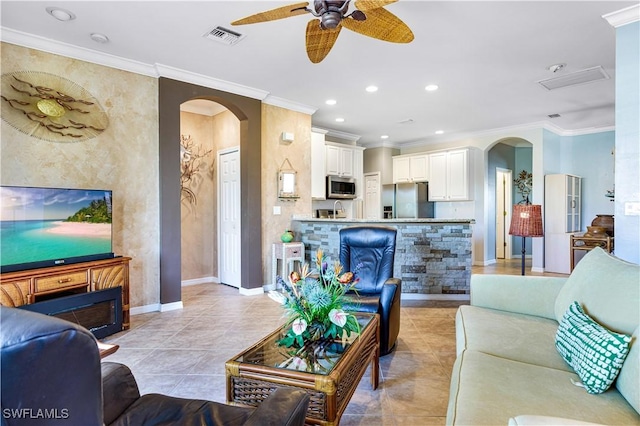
(578, 77)
(224, 35)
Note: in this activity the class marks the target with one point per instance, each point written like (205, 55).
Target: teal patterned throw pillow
(595, 353)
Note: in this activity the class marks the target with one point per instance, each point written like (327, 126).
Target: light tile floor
(182, 353)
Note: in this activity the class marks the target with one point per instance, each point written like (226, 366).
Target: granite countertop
(439, 220)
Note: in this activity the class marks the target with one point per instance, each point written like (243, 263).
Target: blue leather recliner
(370, 252)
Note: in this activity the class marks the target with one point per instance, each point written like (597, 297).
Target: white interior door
(229, 216)
(503, 213)
(372, 196)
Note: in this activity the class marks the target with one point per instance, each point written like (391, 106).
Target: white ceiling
(485, 56)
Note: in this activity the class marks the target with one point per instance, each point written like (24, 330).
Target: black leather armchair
(51, 375)
(370, 251)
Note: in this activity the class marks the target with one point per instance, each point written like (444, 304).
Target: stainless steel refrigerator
(411, 201)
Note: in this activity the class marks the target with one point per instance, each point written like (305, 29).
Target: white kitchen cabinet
(448, 175)
(339, 161)
(318, 174)
(412, 168)
(562, 218)
(401, 170)
(358, 173)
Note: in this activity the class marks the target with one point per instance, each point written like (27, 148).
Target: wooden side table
(580, 242)
(287, 253)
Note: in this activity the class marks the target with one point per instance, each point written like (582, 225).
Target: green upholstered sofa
(508, 370)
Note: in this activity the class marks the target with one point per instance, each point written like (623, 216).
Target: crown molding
(497, 132)
(64, 49)
(623, 16)
(206, 81)
(290, 105)
(343, 135)
(20, 38)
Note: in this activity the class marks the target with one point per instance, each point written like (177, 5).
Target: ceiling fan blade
(365, 5)
(273, 14)
(320, 41)
(381, 24)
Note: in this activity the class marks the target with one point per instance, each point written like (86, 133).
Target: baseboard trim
(420, 296)
(203, 280)
(165, 307)
(251, 291)
(485, 262)
(154, 307)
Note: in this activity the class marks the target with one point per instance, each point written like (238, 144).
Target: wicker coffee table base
(250, 384)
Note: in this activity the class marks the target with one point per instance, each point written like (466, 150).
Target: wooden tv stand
(33, 285)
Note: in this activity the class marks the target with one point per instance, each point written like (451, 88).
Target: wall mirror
(287, 181)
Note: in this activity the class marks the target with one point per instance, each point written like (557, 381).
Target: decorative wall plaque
(50, 107)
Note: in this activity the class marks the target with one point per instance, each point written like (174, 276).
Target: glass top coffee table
(329, 371)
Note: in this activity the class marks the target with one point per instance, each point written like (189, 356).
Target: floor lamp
(526, 221)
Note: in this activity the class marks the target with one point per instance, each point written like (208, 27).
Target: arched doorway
(506, 157)
(172, 94)
(207, 129)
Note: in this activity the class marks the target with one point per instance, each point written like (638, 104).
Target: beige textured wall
(276, 120)
(124, 158)
(199, 222)
(198, 219)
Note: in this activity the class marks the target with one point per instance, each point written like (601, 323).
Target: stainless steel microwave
(339, 187)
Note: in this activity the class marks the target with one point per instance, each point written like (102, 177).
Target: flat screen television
(42, 227)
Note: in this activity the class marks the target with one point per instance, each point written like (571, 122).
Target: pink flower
(298, 326)
(338, 317)
(299, 364)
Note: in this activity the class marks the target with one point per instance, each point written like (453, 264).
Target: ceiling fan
(369, 18)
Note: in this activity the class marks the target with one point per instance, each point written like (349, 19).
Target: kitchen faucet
(334, 207)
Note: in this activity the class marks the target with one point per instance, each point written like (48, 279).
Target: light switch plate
(632, 208)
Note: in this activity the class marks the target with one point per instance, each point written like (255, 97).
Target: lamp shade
(526, 220)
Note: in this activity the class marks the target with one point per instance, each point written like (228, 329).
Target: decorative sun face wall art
(50, 107)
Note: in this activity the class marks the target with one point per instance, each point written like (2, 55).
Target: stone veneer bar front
(433, 256)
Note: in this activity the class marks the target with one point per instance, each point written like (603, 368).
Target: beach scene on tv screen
(40, 224)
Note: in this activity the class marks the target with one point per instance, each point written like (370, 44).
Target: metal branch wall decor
(191, 164)
(50, 107)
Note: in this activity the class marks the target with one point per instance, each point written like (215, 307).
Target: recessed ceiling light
(330, 102)
(439, 132)
(556, 67)
(384, 137)
(99, 38)
(340, 120)
(431, 87)
(61, 14)
(371, 89)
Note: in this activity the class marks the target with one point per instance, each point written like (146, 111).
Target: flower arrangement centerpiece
(314, 302)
